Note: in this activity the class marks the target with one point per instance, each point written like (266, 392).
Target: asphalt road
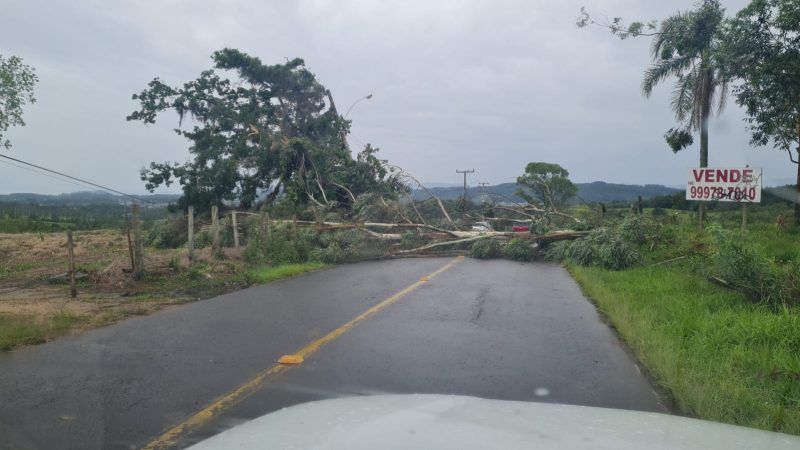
(493, 329)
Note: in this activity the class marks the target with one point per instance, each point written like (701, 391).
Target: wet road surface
(494, 329)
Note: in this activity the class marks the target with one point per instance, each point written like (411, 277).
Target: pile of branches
(403, 215)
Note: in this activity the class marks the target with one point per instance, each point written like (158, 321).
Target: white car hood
(456, 422)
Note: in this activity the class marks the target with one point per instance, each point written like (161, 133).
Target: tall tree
(16, 89)
(686, 47)
(764, 47)
(545, 184)
(271, 129)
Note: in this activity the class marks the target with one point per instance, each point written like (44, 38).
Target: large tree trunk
(704, 116)
(797, 194)
(797, 188)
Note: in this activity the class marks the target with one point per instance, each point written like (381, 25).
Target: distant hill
(597, 191)
(86, 198)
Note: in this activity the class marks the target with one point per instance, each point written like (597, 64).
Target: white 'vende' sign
(725, 185)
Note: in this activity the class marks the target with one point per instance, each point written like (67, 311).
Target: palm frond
(722, 93)
(662, 70)
(682, 95)
(670, 35)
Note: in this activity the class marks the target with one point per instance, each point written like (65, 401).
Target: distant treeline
(769, 196)
(20, 217)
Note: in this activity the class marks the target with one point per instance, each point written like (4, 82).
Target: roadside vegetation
(718, 355)
(713, 314)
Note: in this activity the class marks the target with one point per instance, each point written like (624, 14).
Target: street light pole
(333, 106)
(367, 97)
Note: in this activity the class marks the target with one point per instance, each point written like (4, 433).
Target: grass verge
(719, 356)
(265, 274)
(21, 330)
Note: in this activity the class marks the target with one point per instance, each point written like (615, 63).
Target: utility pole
(484, 195)
(463, 205)
(138, 243)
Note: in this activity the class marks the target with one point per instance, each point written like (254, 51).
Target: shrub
(331, 254)
(617, 254)
(762, 279)
(167, 233)
(174, 264)
(635, 228)
(338, 246)
(518, 250)
(485, 249)
(203, 239)
(280, 245)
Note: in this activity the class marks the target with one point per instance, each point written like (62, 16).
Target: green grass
(719, 356)
(266, 274)
(21, 330)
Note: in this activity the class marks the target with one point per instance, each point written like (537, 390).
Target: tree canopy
(268, 130)
(546, 184)
(764, 47)
(686, 48)
(16, 89)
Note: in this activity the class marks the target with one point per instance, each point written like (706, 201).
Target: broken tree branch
(427, 191)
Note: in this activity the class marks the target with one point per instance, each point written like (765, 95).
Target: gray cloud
(489, 85)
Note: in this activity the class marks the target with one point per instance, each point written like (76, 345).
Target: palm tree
(685, 47)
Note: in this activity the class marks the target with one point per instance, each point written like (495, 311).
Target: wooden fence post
(190, 242)
(73, 292)
(138, 243)
(130, 242)
(215, 245)
(235, 230)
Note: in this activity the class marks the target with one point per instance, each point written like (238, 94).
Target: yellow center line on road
(212, 410)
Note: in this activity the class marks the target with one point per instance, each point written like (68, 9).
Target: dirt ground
(33, 281)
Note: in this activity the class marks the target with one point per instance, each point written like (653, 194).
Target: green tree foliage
(519, 250)
(764, 48)
(545, 184)
(16, 89)
(271, 129)
(678, 139)
(485, 249)
(686, 47)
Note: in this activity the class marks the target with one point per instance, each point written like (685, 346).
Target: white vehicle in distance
(481, 226)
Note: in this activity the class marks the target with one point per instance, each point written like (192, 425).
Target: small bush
(634, 229)
(203, 239)
(762, 279)
(167, 233)
(280, 245)
(331, 254)
(617, 254)
(485, 249)
(518, 250)
(194, 272)
(174, 264)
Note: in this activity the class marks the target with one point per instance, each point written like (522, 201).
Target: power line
(42, 173)
(74, 178)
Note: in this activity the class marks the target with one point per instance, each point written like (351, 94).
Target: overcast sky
(485, 85)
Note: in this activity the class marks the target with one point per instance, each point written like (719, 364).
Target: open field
(34, 296)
